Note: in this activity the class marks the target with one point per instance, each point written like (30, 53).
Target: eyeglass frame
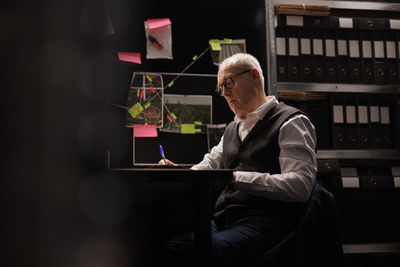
(219, 89)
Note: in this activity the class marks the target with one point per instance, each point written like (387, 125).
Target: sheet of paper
(130, 57)
(144, 130)
(215, 45)
(188, 129)
(158, 23)
(159, 39)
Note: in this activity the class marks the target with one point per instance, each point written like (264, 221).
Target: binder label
(385, 119)
(305, 44)
(391, 49)
(330, 47)
(394, 24)
(346, 23)
(379, 50)
(338, 114)
(280, 46)
(374, 113)
(396, 181)
(293, 47)
(354, 49)
(350, 114)
(350, 182)
(294, 21)
(317, 47)
(342, 48)
(362, 114)
(366, 49)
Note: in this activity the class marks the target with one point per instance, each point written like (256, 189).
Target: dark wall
(59, 68)
(192, 26)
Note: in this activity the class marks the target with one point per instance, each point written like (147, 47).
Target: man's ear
(255, 75)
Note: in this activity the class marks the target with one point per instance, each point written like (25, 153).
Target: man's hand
(166, 162)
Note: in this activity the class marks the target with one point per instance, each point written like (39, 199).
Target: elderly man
(271, 148)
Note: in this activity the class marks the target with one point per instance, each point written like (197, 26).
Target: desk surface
(173, 175)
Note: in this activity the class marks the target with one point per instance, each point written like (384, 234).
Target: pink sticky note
(144, 130)
(129, 57)
(158, 23)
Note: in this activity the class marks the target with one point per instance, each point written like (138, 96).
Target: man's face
(240, 96)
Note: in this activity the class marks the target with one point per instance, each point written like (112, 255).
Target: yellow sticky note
(138, 92)
(173, 116)
(227, 41)
(197, 130)
(215, 45)
(194, 58)
(147, 105)
(197, 122)
(149, 78)
(135, 110)
(188, 129)
(171, 83)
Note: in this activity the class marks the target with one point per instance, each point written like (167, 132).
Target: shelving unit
(331, 158)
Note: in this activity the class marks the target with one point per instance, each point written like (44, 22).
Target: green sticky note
(149, 78)
(147, 105)
(173, 116)
(138, 92)
(215, 45)
(198, 122)
(188, 129)
(227, 41)
(194, 58)
(135, 110)
(171, 83)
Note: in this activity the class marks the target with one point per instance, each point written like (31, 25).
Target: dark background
(59, 207)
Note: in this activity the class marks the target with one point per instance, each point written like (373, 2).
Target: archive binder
(305, 55)
(385, 122)
(354, 56)
(342, 57)
(350, 124)
(330, 57)
(391, 59)
(338, 130)
(367, 64)
(372, 24)
(294, 59)
(363, 136)
(318, 57)
(281, 58)
(317, 22)
(374, 123)
(379, 58)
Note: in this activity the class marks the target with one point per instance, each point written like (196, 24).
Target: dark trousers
(237, 238)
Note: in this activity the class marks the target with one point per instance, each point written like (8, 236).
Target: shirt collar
(261, 111)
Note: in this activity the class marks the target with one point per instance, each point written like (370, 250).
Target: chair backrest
(318, 238)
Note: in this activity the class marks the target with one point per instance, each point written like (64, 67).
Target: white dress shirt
(297, 159)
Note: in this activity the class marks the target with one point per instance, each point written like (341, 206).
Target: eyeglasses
(228, 83)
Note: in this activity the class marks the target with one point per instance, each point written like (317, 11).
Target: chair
(316, 239)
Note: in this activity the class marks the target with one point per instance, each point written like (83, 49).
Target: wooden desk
(200, 181)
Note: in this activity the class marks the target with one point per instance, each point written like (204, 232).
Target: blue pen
(162, 154)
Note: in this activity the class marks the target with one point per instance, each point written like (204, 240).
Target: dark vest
(258, 152)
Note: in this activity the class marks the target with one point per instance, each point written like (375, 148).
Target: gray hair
(242, 62)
